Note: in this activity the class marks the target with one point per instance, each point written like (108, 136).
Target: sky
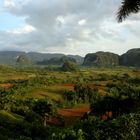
(66, 26)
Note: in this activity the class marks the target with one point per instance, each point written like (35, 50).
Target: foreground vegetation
(51, 104)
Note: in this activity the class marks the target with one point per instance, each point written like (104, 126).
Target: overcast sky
(66, 26)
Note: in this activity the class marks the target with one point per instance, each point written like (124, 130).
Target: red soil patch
(72, 115)
(69, 85)
(75, 112)
(6, 85)
(107, 115)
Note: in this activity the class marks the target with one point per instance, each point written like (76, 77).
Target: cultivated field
(63, 99)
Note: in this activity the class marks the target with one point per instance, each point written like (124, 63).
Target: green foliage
(69, 66)
(70, 96)
(124, 127)
(124, 89)
(81, 94)
(4, 92)
(43, 106)
(9, 116)
(69, 134)
(127, 8)
(24, 108)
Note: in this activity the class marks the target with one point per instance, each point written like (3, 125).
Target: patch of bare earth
(6, 85)
(75, 112)
(72, 115)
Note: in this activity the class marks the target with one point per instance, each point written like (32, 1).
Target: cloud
(69, 26)
(82, 22)
(9, 3)
(24, 30)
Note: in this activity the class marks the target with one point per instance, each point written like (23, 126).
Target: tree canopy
(128, 7)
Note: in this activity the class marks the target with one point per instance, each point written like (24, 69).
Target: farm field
(49, 100)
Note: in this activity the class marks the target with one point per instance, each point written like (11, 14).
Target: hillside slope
(10, 57)
(101, 59)
(131, 58)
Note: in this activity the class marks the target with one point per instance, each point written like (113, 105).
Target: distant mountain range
(57, 60)
(10, 57)
(130, 58)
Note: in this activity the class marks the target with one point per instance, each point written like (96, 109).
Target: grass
(43, 93)
(84, 105)
(9, 116)
(53, 92)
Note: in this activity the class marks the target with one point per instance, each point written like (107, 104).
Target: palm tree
(128, 7)
(44, 108)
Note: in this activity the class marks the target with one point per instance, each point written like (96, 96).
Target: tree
(44, 108)
(23, 60)
(70, 96)
(128, 7)
(69, 66)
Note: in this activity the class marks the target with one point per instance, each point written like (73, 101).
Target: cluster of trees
(32, 114)
(123, 98)
(69, 66)
(21, 87)
(82, 94)
(123, 127)
(127, 89)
